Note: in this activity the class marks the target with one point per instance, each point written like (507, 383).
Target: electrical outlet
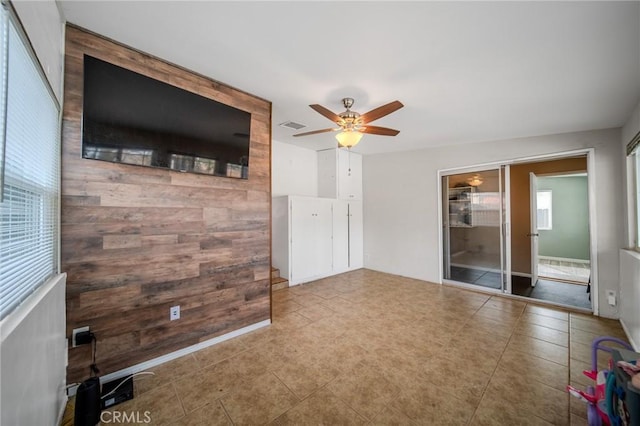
(75, 332)
(174, 313)
(611, 297)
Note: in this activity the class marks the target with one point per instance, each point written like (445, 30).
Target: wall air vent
(292, 125)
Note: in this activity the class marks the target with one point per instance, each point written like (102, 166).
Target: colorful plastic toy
(595, 396)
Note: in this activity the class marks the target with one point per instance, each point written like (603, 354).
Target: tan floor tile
(308, 299)
(486, 326)
(540, 348)
(430, 405)
(583, 353)
(505, 304)
(338, 304)
(578, 408)
(597, 325)
(258, 401)
(160, 406)
(321, 408)
(471, 354)
(584, 337)
(499, 315)
(202, 388)
(483, 337)
(372, 346)
(535, 368)
(219, 352)
(391, 417)
(543, 333)
(165, 373)
(289, 321)
(260, 336)
(211, 414)
(306, 374)
(577, 378)
(578, 420)
(529, 396)
(315, 312)
(457, 377)
(285, 306)
(545, 321)
(365, 389)
(547, 312)
(492, 412)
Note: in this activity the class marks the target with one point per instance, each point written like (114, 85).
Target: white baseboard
(177, 354)
(521, 274)
(626, 331)
(479, 268)
(563, 259)
(63, 408)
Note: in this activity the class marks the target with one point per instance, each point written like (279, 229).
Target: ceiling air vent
(292, 125)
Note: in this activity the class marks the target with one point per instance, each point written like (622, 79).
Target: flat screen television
(134, 119)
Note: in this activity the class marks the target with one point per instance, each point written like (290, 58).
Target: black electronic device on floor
(87, 409)
(117, 391)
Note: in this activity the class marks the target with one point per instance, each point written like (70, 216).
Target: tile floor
(559, 269)
(372, 348)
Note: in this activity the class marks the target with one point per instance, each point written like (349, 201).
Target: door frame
(591, 191)
(533, 226)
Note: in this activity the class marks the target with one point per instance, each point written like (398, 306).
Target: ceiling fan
(353, 125)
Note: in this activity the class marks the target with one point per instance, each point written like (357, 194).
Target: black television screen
(133, 119)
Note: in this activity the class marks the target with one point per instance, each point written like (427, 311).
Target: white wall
(294, 170)
(33, 351)
(45, 29)
(33, 358)
(629, 260)
(401, 201)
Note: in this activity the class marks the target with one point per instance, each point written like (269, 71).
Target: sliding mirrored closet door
(475, 236)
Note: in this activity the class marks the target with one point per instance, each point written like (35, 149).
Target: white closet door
(356, 243)
(323, 237)
(340, 236)
(303, 230)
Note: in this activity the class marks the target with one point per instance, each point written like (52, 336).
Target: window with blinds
(633, 153)
(30, 170)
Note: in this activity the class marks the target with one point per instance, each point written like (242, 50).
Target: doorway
(559, 234)
(543, 262)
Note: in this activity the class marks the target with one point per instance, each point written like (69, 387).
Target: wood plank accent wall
(137, 240)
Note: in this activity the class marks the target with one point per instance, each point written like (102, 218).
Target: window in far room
(544, 209)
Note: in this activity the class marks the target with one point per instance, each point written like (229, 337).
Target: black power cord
(94, 367)
(87, 337)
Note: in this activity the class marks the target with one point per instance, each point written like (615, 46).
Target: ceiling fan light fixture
(476, 180)
(348, 139)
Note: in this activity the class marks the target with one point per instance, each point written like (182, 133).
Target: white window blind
(30, 184)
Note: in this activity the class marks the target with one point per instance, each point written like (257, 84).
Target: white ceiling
(465, 71)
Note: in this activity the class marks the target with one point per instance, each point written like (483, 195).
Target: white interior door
(533, 233)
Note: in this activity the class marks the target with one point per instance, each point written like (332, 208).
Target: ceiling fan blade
(313, 132)
(380, 112)
(376, 130)
(327, 113)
